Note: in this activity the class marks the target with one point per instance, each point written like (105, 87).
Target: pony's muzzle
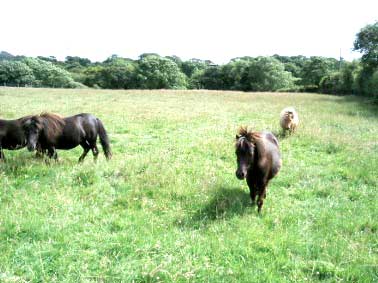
(31, 147)
(240, 174)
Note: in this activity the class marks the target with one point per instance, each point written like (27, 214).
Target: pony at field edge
(258, 160)
(54, 132)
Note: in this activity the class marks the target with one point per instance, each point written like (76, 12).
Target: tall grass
(168, 208)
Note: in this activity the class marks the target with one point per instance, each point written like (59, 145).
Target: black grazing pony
(258, 160)
(53, 132)
(12, 135)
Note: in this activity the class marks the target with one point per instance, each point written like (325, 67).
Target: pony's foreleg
(252, 189)
(293, 128)
(262, 195)
(81, 158)
(40, 151)
(51, 152)
(2, 156)
(260, 202)
(55, 156)
(284, 132)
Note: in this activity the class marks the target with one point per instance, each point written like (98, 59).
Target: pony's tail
(104, 140)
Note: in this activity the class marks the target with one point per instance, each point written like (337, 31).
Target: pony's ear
(237, 136)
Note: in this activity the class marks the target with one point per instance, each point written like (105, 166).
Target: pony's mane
(247, 133)
(51, 116)
(53, 123)
(25, 118)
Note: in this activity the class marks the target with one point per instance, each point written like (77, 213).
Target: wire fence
(28, 85)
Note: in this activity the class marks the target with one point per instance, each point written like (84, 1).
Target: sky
(216, 30)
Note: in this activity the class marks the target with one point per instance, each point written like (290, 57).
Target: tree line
(152, 71)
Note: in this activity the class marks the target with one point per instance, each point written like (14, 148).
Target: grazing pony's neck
(52, 124)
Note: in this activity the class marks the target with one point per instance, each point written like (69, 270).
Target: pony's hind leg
(81, 158)
(95, 152)
(252, 189)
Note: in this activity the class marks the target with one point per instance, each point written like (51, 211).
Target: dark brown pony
(53, 132)
(12, 135)
(258, 160)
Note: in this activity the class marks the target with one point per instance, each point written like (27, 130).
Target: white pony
(289, 119)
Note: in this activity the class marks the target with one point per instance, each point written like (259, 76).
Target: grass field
(168, 207)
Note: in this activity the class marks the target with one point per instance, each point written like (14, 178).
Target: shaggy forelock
(248, 134)
(246, 140)
(243, 145)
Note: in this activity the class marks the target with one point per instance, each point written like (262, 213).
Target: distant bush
(76, 85)
(373, 85)
(290, 89)
(15, 73)
(342, 81)
(152, 71)
(246, 74)
(49, 75)
(155, 72)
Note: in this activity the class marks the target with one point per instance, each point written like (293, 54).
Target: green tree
(247, 74)
(268, 74)
(49, 75)
(192, 66)
(155, 72)
(342, 81)
(367, 43)
(175, 59)
(209, 78)
(77, 61)
(93, 76)
(118, 73)
(6, 56)
(315, 69)
(51, 59)
(236, 74)
(15, 73)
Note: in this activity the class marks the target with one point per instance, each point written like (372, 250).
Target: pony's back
(268, 148)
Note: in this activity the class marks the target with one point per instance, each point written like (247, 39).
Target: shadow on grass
(368, 106)
(20, 163)
(13, 157)
(281, 134)
(224, 204)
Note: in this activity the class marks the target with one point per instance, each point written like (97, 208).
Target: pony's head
(47, 124)
(290, 115)
(32, 127)
(245, 151)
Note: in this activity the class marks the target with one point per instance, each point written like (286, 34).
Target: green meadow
(168, 207)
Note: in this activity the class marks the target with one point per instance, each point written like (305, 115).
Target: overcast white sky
(206, 29)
